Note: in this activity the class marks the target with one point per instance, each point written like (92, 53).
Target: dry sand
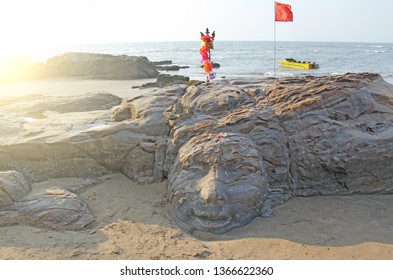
(132, 220)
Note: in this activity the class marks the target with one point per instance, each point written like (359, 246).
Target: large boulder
(13, 187)
(148, 108)
(165, 80)
(94, 66)
(37, 106)
(339, 133)
(45, 143)
(313, 135)
(54, 209)
(121, 68)
(216, 99)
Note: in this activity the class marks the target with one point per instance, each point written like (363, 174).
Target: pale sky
(34, 24)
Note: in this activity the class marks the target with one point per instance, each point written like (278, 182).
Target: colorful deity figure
(206, 46)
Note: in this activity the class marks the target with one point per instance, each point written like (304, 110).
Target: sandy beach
(132, 220)
(132, 223)
(65, 86)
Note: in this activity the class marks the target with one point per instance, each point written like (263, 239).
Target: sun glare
(31, 30)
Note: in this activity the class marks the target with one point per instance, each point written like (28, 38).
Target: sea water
(259, 59)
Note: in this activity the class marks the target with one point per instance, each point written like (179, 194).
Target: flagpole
(274, 60)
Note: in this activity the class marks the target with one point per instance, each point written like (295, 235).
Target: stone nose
(211, 190)
(211, 195)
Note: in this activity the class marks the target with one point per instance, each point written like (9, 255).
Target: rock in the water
(163, 62)
(92, 66)
(121, 68)
(215, 65)
(169, 68)
(165, 80)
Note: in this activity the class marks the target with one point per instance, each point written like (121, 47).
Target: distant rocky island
(230, 150)
(88, 66)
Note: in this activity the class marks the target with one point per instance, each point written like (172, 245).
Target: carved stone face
(217, 183)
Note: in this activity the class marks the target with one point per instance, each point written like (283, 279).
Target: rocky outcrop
(38, 106)
(231, 150)
(54, 208)
(89, 66)
(50, 144)
(166, 65)
(313, 135)
(13, 187)
(165, 80)
(339, 133)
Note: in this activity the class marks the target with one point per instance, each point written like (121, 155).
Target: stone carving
(218, 183)
(314, 136)
(231, 150)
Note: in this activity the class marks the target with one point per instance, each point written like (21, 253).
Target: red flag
(283, 12)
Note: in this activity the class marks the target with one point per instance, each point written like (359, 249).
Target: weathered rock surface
(89, 143)
(36, 106)
(218, 183)
(315, 136)
(165, 80)
(162, 62)
(339, 133)
(166, 65)
(231, 150)
(13, 187)
(54, 208)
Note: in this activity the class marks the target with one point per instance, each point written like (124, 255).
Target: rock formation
(218, 182)
(13, 186)
(231, 150)
(164, 80)
(86, 66)
(55, 208)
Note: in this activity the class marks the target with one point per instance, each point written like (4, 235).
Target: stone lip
(294, 136)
